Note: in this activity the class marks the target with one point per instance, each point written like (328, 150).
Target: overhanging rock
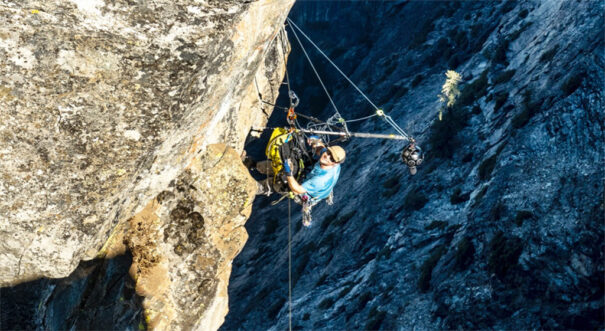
(105, 104)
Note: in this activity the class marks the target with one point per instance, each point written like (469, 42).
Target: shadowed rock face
(111, 115)
(501, 228)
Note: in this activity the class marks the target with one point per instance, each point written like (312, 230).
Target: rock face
(501, 228)
(125, 121)
(183, 242)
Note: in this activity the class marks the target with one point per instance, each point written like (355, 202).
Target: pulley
(412, 156)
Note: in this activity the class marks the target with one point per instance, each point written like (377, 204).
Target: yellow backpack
(278, 137)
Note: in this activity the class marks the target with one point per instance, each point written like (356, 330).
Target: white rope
(319, 78)
(360, 119)
(387, 118)
(335, 66)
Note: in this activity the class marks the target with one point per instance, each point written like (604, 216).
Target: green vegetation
(375, 318)
(487, 166)
(415, 200)
(523, 215)
(504, 253)
(549, 54)
(465, 250)
(458, 197)
(504, 77)
(572, 84)
(426, 270)
(326, 303)
(436, 225)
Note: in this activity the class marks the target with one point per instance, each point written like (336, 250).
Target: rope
(335, 66)
(360, 119)
(260, 96)
(379, 112)
(318, 77)
(283, 47)
(290, 263)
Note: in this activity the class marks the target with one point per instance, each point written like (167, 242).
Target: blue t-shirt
(320, 182)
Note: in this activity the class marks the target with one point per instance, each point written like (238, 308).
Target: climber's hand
(314, 141)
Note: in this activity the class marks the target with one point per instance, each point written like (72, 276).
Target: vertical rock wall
(111, 115)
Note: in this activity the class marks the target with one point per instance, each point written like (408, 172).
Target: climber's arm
(295, 186)
(292, 182)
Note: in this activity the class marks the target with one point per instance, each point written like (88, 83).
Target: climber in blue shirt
(324, 175)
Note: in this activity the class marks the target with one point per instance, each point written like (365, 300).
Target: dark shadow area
(98, 295)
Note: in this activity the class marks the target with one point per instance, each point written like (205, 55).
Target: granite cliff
(502, 227)
(121, 129)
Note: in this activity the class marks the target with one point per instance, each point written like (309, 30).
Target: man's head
(332, 155)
